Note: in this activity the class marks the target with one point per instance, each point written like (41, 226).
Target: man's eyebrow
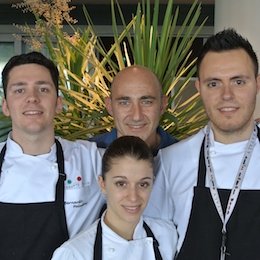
(232, 78)
(23, 83)
(123, 98)
(240, 77)
(43, 82)
(211, 79)
(148, 97)
(17, 84)
(141, 98)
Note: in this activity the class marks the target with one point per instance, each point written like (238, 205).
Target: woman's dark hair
(30, 58)
(227, 40)
(131, 146)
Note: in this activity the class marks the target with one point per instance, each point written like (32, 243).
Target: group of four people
(206, 187)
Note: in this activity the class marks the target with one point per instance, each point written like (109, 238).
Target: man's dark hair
(30, 58)
(227, 40)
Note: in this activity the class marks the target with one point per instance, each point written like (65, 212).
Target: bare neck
(229, 137)
(123, 229)
(155, 142)
(34, 144)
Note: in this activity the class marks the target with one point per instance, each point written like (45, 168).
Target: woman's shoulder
(76, 247)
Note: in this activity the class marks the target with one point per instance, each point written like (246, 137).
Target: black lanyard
(98, 242)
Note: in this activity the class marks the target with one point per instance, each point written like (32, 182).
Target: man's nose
(33, 96)
(227, 92)
(136, 112)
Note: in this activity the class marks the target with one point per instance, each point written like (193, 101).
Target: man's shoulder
(105, 139)
(166, 138)
(78, 146)
(2, 145)
(191, 143)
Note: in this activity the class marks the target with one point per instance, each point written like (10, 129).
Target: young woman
(122, 233)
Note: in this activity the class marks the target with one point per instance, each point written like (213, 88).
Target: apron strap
(258, 133)
(60, 188)
(149, 233)
(98, 242)
(62, 175)
(2, 156)
(202, 167)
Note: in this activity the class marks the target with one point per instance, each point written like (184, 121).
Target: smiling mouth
(132, 209)
(136, 126)
(228, 109)
(32, 113)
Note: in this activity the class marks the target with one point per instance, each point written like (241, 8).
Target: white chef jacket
(28, 179)
(117, 248)
(178, 173)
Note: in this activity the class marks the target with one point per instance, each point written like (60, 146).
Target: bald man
(136, 104)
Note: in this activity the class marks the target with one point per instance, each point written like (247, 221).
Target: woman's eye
(120, 184)
(144, 184)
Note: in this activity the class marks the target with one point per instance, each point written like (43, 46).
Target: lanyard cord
(236, 186)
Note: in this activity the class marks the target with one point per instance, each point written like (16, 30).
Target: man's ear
(5, 108)
(108, 103)
(197, 85)
(59, 105)
(258, 83)
(164, 103)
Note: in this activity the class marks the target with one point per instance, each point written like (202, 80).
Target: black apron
(98, 242)
(203, 237)
(32, 231)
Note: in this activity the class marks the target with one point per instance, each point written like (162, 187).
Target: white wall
(244, 16)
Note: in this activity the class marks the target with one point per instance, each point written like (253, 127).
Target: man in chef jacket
(48, 185)
(211, 181)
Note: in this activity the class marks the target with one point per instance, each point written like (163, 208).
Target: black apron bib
(203, 237)
(98, 243)
(33, 231)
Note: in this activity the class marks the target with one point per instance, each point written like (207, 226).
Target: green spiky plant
(87, 68)
(168, 57)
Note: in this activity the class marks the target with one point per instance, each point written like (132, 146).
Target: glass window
(6, 52)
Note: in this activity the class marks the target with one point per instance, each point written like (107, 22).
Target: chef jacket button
(55, 166)
(147, 242)
(111, 250)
